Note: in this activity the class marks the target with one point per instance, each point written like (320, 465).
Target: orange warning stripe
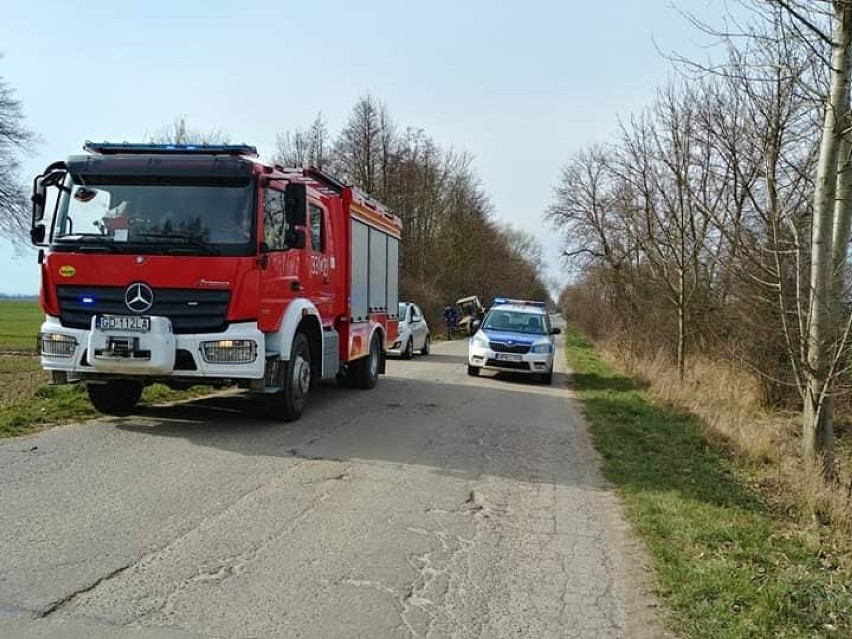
(389, 225)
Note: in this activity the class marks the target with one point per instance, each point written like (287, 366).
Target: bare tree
(818, 427)
(738, 202)
(450, 245)
(365, 146)
(304, 147)
(179, 132)
(822, 28)
(667, 197)
(14, 140)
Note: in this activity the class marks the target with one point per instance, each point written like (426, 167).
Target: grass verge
(726, 564)
(28, 401)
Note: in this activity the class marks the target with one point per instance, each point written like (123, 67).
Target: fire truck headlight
(229, 351)
(56, 345)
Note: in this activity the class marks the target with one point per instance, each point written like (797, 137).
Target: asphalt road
(434, 505)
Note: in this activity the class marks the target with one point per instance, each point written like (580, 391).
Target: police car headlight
(544, 347)
(479, 341)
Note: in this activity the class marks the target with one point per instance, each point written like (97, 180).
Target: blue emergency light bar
(508, 300)
(108, 148)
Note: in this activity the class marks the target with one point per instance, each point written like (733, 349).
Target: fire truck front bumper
(147, 347)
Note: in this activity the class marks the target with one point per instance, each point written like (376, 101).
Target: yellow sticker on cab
(67, 271)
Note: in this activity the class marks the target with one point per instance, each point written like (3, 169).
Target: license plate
(124, 323)
(508, 357)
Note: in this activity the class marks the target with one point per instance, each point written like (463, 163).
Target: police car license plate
(123, 323)
(508, 357)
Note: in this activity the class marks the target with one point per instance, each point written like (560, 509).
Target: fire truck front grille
(501, 347)
(190, 310)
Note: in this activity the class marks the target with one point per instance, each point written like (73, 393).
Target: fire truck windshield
(215, 219)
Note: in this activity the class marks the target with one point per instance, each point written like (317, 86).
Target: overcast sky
(519, 85)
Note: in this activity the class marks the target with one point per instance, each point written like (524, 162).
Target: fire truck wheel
(289, 402)
(116, 397)
(365, 373)
(408, 353)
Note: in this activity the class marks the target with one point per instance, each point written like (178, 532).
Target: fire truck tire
(365, 373)
(288, 403)
(116, 397)
(408, 353)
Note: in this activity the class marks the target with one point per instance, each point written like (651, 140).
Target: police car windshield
(515, 322)
(140, 217)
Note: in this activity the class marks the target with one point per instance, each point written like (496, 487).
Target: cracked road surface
(436, 505)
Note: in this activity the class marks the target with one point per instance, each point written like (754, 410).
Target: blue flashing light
(508, 300)
(106, 148)
(88, 300)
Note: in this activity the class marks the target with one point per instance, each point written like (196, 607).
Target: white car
(414, 332)
(515, 336)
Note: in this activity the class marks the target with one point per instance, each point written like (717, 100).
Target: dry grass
(20, 376)
(726, 400)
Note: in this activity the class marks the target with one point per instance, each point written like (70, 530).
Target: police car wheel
(473, 371)
(546, 378)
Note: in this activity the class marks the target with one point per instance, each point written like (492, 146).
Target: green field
(19, 324)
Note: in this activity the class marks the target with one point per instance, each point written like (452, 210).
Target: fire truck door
(280, 276)
(321, 261)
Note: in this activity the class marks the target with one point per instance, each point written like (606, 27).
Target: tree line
(716, 221)
(452, 246)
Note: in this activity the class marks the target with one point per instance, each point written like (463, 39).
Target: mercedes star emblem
(139, 297)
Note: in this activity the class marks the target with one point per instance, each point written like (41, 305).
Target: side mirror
(37, 234)
(53, 175)
(476, 324)
(297, 239)
(296, 203)
(555, 331)
(38, 200)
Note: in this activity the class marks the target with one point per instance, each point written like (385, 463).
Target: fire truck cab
(200, 264)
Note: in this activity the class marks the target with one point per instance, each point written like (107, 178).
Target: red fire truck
(201, 264)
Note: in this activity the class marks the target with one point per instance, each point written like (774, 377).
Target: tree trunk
(681, 339)
(817, 436)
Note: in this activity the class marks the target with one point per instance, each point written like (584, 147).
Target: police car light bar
(107, 148)
(508, 300)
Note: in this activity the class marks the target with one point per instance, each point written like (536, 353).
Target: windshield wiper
(102, 242)
(191, 241)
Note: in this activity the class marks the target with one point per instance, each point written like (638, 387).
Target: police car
(515, 336)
